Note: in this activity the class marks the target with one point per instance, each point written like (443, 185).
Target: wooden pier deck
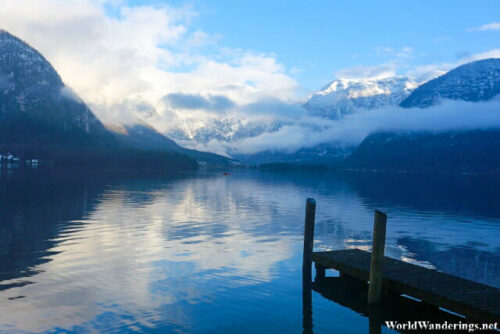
(473, 300)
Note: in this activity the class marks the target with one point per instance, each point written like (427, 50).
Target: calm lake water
(206, 253)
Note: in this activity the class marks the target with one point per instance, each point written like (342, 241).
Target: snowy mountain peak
(343, 96)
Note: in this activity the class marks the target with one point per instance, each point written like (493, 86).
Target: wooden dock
(378, 287)
(475, 301)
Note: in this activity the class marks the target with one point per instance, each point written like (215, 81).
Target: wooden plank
(472, 299)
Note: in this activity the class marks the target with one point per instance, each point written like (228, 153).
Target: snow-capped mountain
(460, 150)
(344, 96)
(337, 99)
(340, 97)
(475, 81)
(227, 129)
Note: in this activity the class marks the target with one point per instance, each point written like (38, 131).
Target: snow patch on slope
(344, 96)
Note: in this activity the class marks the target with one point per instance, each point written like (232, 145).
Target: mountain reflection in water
(202, 252)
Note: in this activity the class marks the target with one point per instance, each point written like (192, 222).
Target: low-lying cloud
(147, 63)
(273, 107)
(352, 129)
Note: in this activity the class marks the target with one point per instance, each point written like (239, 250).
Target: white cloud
(378, 71)
(424, 73)
(397, 61)
(405, 52)
(485, 27)
(111, 54)
(385, 51)
(300, 131)
(398, 65)
(352, 129)
(123, 61)
(495, 53)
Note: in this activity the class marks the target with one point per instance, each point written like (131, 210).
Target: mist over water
(206, 253)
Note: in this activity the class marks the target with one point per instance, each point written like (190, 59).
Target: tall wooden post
(307, 321)
(377, 257)
(308, 239)
(374, 321)
(307, 266)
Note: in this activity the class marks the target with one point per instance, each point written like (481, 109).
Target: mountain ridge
(344, 96)
(33, 96)
(40, 117)
(143, 136)
(442, 151)
(475, 81)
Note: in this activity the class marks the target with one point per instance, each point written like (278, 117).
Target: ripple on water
(203, 253)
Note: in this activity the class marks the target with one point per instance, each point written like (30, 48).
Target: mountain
(224, 129)
(344, 96)
(36, 108)
(475, 81)
(451, 151)
(142, 136)
(323, 154)
(339, 98)
(461, 151)
(40, 117)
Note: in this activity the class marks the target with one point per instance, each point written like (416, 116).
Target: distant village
(10, 160)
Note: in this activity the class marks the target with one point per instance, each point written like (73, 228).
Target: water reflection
(205, 253)
(352, 293)
(462, 260)
(33, 213)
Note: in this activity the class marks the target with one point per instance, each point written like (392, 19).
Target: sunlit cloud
(110, 53)
(148, 63)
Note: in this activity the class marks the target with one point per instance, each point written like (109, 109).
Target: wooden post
(307, 321)
(308, 239)
(377, 257)
(320, 271)
(374, 322)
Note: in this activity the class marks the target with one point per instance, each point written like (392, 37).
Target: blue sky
(316, 39)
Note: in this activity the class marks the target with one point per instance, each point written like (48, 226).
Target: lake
(202, 252)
